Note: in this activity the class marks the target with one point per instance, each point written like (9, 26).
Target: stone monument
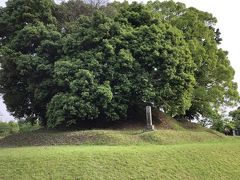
(150, 126)
(234, 132)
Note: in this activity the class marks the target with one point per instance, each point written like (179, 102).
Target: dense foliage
(213, 73)
(236, 117)
(7, 128)
(78, 62)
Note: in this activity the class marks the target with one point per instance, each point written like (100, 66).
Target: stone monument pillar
(150, 126)
(234, 132)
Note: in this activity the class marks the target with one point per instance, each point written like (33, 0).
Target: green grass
(174, 151)
(211, 160)
(110, 137)
(168, 131)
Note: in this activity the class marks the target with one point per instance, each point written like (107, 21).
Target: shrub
(7, 128)
(27, 126)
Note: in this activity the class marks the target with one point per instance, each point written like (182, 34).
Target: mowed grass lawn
(206, 160)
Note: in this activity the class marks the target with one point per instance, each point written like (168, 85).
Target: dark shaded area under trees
(97, 62)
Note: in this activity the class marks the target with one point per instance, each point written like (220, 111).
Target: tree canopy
(75, 62)
(236, 117)
(213, 73)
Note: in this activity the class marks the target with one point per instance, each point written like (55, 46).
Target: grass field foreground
(218, 160)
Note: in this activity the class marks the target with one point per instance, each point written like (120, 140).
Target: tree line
(84, 61)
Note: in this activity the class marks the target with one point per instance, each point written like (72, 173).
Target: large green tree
(213, 73)
(131, 59)
(69, 64)
(29, 48)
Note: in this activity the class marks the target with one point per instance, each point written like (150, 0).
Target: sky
(226, 11)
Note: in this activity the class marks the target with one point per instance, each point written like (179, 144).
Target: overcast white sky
(226, 11)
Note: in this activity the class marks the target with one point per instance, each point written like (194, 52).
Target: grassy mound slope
(184, 161)
(109, 137)
(169, 131)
